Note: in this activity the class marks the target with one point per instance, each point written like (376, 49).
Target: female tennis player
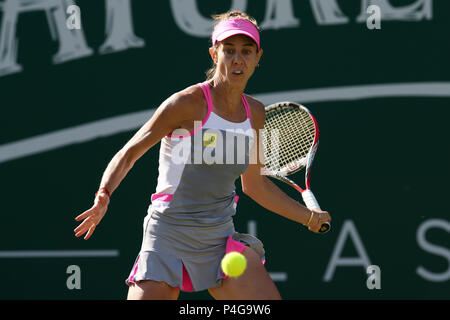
(189, 225)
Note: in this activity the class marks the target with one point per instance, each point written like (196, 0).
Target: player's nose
(238, 59)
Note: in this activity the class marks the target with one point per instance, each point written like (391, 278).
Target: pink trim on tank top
(207, 94)
(247, 109)
(244, 102)
(166, 197)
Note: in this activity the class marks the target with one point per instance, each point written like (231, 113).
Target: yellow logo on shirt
(209, 140)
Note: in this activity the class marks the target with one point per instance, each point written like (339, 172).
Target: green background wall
(381, 169)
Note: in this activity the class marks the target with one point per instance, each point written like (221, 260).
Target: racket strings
(288, 137)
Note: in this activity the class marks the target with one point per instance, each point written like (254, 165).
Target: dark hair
(224, 17)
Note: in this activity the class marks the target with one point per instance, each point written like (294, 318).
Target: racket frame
(299, 164)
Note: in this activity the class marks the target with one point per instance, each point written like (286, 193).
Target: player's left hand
(318, 219)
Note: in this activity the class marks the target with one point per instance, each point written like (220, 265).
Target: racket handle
(311, 203)
(310, 200)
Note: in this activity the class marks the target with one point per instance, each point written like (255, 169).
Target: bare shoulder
(257, 111)
(188, 103)
(180, 110)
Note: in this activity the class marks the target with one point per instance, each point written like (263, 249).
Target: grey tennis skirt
(187, 256)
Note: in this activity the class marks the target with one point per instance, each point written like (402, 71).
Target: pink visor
(233, 27)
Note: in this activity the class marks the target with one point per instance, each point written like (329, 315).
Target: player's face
(236, 58)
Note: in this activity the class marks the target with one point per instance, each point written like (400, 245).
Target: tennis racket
(290, 141)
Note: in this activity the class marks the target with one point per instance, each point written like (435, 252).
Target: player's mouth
(238, 72)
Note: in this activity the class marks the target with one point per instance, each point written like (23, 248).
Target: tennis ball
(234, 264)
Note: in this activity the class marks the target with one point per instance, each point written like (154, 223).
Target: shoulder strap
(247, 108)
(207, 94)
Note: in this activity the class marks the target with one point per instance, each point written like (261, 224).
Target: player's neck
(227, 94)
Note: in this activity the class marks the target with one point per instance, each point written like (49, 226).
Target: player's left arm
(263, 190)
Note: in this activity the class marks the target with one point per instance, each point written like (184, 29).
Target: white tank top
(198, 170)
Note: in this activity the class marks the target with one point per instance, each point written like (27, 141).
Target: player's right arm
(178, 110)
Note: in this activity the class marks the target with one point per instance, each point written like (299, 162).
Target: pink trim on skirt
(133, 274)
(232, 245)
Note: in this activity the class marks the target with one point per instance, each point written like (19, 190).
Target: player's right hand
(93, 216)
